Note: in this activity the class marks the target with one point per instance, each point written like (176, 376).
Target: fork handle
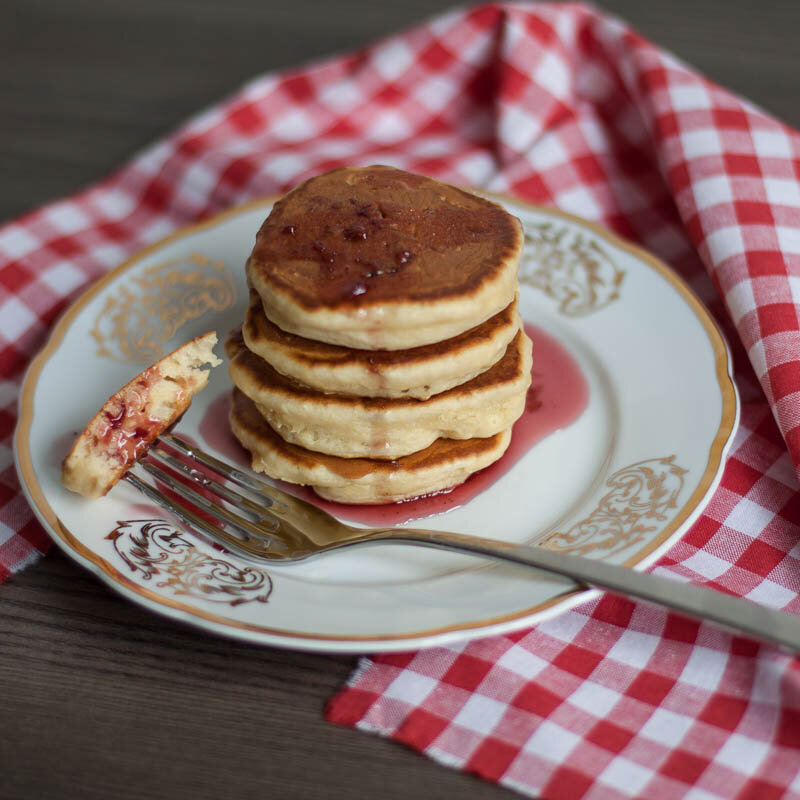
(741, 615)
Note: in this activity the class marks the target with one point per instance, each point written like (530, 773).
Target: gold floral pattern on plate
(141, 315)
(641, 498)
(570, 266)
(153, 547)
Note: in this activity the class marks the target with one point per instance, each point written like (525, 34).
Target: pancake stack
(382, 355)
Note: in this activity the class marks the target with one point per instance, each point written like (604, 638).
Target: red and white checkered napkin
(559, 105)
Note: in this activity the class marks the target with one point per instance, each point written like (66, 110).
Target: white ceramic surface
(621, 483)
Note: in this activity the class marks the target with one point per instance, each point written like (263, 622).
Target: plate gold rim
(114, 578)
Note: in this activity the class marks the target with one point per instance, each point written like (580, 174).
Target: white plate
(621, 483)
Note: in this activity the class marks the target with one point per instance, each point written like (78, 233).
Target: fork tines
(188, 485)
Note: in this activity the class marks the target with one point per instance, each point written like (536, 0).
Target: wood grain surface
(99, 698)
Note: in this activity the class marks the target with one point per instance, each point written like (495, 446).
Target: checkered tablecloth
(561, 105)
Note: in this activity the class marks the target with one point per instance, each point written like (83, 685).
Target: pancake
(380, 259)
(442, 465)
(131, 418)
(418, 373)
(370, 427)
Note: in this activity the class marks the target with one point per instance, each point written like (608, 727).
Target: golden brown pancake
(442, 465)
(373, 427)
(131, 418)
(419, 372)
(382, 259)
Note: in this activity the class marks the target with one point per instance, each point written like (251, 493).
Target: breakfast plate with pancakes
(343, 393)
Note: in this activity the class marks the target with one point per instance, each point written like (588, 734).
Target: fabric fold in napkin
(560, 105)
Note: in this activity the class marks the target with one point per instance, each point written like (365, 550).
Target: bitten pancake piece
(381, 259)
(442, 465)
(369, 427)
(131, 418)
(419, 372)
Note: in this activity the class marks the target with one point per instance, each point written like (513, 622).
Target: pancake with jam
(384, 428)
(419, 372)
(134, 416)
(381, 259)
(442, 465)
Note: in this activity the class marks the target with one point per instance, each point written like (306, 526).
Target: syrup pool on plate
(558, 396)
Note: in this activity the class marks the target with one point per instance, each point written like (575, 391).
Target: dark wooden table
(100, 698)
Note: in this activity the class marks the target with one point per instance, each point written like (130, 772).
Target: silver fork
(270, 525)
